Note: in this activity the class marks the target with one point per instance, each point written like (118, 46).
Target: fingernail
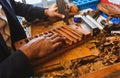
(63, 16)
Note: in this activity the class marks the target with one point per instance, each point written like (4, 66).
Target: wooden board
(78, 52)
(112, 71)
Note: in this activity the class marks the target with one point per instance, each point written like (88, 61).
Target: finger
(71, 14)
(53, 36)
(58, 39)
(54, 9)
(40, 37)
(54, 5)
(48, 34)
(37, 39)
(57, 45)
(59, 15)
(43, 35)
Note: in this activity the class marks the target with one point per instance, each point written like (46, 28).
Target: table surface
(112, 71)
(77, 52)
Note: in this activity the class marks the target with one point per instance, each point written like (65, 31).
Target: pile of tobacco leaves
(109, 47)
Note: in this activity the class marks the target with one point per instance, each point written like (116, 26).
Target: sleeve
(30, 12)
(16, 66)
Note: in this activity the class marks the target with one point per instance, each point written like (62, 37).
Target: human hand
(52, 12)
(42, 46)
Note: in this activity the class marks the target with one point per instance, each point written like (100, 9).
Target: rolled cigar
(73, 31)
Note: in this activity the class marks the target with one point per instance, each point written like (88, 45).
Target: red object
(106, 1)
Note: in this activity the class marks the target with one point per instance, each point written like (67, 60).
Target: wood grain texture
(77, 52)
(112, 71)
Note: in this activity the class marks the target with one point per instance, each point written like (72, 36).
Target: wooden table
(112, 71)
(78, 52)
(81, 51)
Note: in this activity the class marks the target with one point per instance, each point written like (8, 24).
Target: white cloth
(115, 1)
(4, 27)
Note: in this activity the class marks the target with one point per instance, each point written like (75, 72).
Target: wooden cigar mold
(74, 35)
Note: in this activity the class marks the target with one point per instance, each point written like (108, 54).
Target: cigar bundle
(74, 36)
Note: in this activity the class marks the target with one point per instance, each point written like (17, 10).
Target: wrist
(27, 52)
(46, 12)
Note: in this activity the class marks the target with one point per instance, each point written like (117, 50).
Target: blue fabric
(16, 65)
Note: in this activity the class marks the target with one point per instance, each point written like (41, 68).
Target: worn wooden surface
(112, 71)
(78, 52)
(81, 51)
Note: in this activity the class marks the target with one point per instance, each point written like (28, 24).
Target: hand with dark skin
(42, 46)
(52, 12)
(54, 15)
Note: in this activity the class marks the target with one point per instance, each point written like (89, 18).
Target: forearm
(30, 12)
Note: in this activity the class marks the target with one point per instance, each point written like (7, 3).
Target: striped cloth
(4, 27)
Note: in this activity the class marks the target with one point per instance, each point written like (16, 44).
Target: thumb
(59, 15)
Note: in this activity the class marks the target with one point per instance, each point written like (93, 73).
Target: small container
(77, 19)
